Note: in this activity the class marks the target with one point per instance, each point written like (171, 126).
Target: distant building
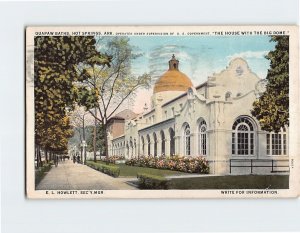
(212, 120)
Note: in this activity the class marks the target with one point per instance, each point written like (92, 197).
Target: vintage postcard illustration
(162, 112)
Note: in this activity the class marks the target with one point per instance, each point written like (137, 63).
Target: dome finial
(173, 63)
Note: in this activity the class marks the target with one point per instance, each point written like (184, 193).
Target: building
(212, 120)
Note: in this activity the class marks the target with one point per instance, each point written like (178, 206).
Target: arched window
(187, 140)
(163, 146)
(149, 145)
(202, 138)
(277, 143)
(172, 141)
(243, 137)
(155, 144)
(143, 145)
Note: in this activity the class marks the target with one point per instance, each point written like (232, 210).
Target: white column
(167, 147)
(158, 147)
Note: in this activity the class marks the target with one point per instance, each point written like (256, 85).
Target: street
(70, 176)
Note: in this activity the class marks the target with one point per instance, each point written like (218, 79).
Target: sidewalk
(70, 176)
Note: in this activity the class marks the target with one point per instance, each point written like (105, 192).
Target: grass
(231, 182)
(132, 171)
(41, 172)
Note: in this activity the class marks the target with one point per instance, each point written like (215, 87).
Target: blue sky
(200, 57)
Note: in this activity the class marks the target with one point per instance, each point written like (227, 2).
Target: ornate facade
(211, 120)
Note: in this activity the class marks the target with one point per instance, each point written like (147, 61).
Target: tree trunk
(105, 142)
(36, 156)
(46, 156)
(94, 139)
(39, 159)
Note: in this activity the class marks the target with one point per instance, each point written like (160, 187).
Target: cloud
(249, 55)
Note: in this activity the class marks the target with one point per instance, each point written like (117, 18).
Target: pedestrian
(56, 160)
(74, 159)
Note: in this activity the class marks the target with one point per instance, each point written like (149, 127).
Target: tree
(107, 87)
(55, 61)
(272, 107)
(100, 139)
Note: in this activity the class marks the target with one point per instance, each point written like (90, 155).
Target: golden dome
(173, 79)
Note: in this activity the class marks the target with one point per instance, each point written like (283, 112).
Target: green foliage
(272, 108)
(110, 170)
(55, 73)
(230, 182)
(41, 172)
(147, 181)
(100, 138)
(176, 163)
(107, 87)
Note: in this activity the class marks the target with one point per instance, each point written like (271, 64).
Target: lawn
(231, 182)
(131, 171)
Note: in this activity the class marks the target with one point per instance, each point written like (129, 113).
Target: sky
(199, 57)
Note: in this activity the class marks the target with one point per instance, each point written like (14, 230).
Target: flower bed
(176, 163)
(113, 159)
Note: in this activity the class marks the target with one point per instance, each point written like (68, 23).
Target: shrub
(41, 172)
(110, 170)
(147, 181)
(183, 164)
(113, 159)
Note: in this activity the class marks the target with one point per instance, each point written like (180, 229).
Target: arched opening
(172, 141)
(149, 145)
(155, 144)
(187, 139)
(131, 148)
(135, 148)
(163, 145)
(127, 149)
(143, 145)
(202, 137)
(243, 136)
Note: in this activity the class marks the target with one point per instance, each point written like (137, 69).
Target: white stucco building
(212, 120)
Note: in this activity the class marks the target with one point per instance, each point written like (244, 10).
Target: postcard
(162, 112)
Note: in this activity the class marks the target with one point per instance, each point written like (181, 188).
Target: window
(202, 138)
(277, 143)
(243, 137)
(187, 140)
(166, 115)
